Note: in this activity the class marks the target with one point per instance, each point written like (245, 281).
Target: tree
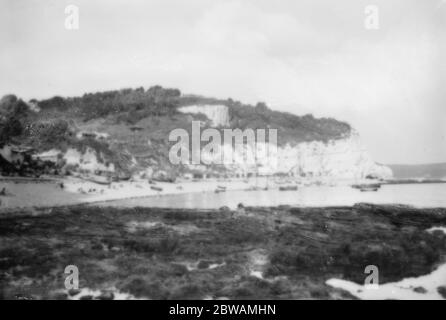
(9, 128)
(261, 107)
(12, 112)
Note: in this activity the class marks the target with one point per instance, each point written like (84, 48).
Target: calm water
(420, 195)
(29, 194)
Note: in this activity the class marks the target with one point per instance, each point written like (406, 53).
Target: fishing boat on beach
(220, 189)
(367, 187)
(253, 188)
(288, 188)
(98, 179)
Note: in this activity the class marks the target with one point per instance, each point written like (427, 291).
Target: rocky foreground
(251, 253)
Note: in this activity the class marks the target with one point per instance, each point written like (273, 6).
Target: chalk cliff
(217, 114)
(342, 158)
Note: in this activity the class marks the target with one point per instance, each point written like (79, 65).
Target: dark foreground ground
(253, 253)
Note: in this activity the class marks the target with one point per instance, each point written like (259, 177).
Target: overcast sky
(306, 56)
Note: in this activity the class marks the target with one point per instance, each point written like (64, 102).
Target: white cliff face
(338, 159)
(344, 159)
(218, 114)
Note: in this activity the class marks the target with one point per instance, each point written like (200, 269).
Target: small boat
(368, 188)
(221, 188)
(164, 179)
(218, 190)
(288, 188)
(253, 188)
(98, 179)
(124, 177)
(156, 188)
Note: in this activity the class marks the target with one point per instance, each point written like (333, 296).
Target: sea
(419, 195)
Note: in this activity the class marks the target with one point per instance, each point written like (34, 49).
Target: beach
(46, 192)
(26, 193)
(210, 193)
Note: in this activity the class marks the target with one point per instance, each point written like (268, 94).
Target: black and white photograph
(225, 150)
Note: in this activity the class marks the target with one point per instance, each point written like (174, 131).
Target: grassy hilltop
(133, 117)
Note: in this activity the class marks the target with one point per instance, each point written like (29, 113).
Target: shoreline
(29, 193)
(76, 191)
(35, 195)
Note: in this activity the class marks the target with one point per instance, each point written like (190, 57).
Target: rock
(178, 269)
(59, 296)
(409, 229)
(139, 287)
(21, 296)
(319, 293)
(241, 208)
(203, 264)
(96, 246)
(224, 209)
(442, 291)
(419, 290)
(73, 292)
(106, 295)
(438, 233)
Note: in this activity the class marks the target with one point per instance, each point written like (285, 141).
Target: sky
(306, 56)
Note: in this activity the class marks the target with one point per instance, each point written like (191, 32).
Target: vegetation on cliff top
(132, 116)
